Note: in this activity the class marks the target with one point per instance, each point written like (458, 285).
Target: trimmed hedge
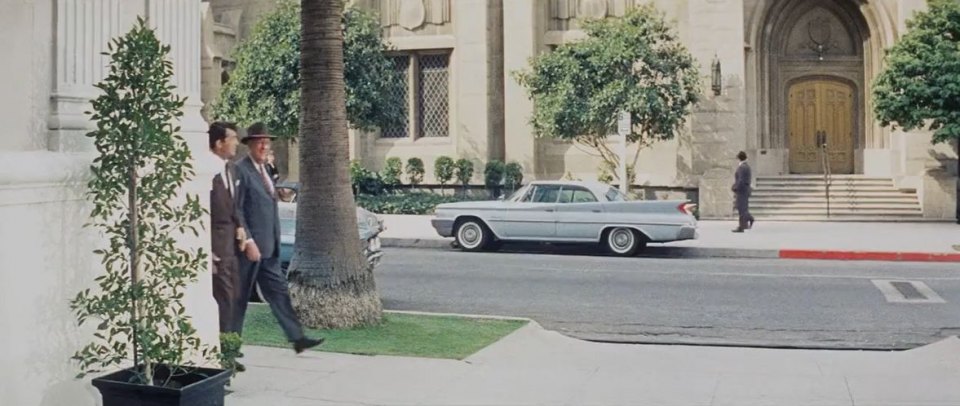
(405, 203)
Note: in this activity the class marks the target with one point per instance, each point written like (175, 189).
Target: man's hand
(251, 251)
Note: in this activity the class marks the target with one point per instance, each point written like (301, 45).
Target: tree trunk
(332, 285)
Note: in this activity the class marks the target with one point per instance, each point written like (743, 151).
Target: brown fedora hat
(256, 130)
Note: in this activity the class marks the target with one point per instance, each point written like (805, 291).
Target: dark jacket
(224, 219)
(258, 209)
(742, 178)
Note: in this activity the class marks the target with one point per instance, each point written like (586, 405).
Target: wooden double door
(821, 110)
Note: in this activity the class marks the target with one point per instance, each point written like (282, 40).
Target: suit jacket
(224, 219)
(742, 178)
(259, 213)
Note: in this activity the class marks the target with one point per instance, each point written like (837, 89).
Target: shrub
(404, 203)
(493, 176)
(464, 172)
(415, 170)
(443, 169)
(513, 176)
(363, 180)
(392, 172)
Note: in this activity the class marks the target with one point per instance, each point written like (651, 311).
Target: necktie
(267, 183)
(226, 175)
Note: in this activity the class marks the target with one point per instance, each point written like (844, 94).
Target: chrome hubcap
(470, 235)
(621, 240)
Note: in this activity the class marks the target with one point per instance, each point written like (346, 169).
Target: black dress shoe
(305, 343)
(737, 230)
(750, 224)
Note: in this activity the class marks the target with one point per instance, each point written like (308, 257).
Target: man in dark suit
(257, 203)
(226, 234)
(742, 189)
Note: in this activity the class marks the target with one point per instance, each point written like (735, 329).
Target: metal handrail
(825, 162)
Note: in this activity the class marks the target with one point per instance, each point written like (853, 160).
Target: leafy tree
(415, 170)
(138, 177)
(513, 176)
(464, 172)
(265, 85)
(443, 169)
(332, 284)
(493, 176)
(392, 172)
(634, 63)
(920, 85)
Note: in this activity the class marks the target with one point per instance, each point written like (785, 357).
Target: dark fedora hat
(256, 130)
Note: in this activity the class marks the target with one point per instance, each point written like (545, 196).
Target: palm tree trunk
(332, 285)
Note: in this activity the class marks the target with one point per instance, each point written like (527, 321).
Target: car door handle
(547, 209)
(596, 210)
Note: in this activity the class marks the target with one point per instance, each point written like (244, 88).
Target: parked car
(369, 226)
(567, 211)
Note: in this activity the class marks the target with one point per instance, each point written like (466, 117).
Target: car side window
(546, 194)
(528, 197)
(574, 194)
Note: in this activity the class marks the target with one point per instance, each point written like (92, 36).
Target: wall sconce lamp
(716, 76)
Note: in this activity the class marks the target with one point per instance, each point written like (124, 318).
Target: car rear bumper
(688, 233)
(444, 227)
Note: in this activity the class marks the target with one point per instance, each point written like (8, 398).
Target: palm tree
(331, 284)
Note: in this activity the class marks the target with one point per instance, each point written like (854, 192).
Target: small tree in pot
(493, 177)
(141, 168)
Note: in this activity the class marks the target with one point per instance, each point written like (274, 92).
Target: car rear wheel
(472, 235)
(624, 241)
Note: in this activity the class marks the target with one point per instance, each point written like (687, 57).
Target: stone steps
(852, 198)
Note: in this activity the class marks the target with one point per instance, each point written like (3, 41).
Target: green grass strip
(411, 335)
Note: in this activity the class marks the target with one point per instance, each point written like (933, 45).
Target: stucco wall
(45, 252)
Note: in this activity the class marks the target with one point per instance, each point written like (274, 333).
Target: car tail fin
(686, 207)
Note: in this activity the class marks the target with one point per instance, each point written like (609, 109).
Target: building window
(402, 65)
(427, 77)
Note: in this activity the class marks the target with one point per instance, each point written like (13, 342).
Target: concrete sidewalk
(534, 366)
(922, 241)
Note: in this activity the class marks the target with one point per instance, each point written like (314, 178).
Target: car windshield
(515, 196)
(614, 195)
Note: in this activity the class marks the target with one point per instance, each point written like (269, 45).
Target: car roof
(598, 188)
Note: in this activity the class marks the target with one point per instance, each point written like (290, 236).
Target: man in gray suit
(257, 203)
(741, 189)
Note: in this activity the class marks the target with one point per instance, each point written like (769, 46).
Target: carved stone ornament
(412, 14)
(818, 29)
(593, 8)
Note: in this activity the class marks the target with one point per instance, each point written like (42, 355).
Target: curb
(742, 253)
(870, 256)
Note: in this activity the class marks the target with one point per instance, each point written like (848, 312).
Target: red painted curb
(870, 256)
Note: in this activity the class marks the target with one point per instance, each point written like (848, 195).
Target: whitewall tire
(624, 241)
(472, 235)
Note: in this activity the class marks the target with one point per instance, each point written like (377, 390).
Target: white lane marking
(893, 295)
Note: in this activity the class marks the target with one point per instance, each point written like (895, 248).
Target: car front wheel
(624, 241)
(472, 235)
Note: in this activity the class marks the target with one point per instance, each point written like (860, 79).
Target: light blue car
(567, 211)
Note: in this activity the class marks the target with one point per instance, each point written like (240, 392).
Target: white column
(177, 23)
(83, 30)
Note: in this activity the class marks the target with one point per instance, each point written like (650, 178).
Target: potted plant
(142, 165)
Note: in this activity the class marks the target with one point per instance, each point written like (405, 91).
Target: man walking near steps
(742, 189)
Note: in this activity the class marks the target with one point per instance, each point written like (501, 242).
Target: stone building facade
(789, 70)
(52, 50)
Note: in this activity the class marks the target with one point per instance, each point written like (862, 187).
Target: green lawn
(399, 334)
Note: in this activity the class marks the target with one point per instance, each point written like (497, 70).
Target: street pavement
(718, 301)
(773, 239)
(537, 366)
(534, 366)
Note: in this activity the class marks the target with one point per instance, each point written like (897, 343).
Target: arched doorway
(811, 60)
(820, 126)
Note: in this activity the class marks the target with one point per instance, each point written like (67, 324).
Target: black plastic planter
(201, 387)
